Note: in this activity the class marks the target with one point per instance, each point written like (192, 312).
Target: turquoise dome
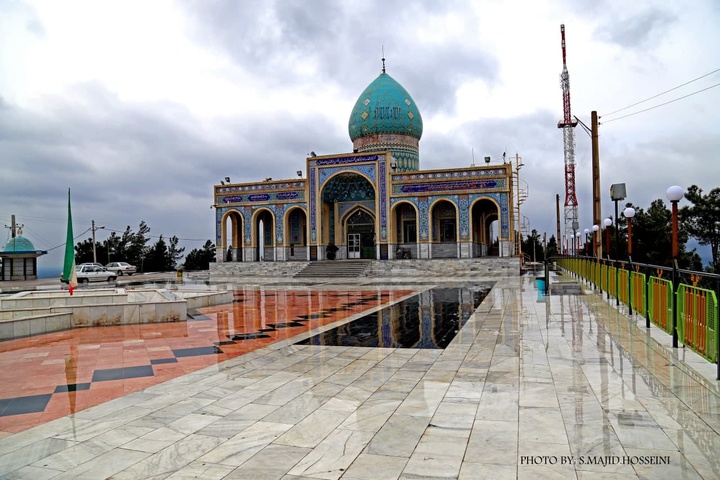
(19, 244)
(385, 107)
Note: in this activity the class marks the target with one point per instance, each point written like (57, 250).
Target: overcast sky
(141, 107)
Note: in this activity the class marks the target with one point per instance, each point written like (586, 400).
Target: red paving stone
(38, 365)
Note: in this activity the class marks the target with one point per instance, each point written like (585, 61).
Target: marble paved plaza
(532, 387)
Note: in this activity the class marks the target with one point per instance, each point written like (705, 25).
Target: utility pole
(93, 240)
(597, 241)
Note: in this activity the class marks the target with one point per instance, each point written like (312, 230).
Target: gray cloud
(275, 40)
(157, 161)
(639, 30)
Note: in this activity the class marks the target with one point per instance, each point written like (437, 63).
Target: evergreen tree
(652, 237)
(135, 245)
(199, 259)
(174, 253)
(532, 247)
(111, 246)
(156, 257)
(552, 247)
(702, 220)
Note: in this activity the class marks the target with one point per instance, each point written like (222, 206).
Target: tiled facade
(372, 203)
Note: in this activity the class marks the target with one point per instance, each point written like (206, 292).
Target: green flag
(69, 275)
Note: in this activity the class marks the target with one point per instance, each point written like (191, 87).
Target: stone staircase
(334, 268)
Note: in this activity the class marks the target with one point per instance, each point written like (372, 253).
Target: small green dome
(385, 107)
(19, 244)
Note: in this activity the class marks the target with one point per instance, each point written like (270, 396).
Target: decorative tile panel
(312, 204)
(463, 204)
(367, 170)
(279, 227)
(321, 162)
(403, 177)
(264, 186)
(263, 197)
(383, 200)
(247, 217)
(423, 209)
(435, 187)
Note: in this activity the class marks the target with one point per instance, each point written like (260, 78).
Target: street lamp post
(675, 194)
(587, 241)
(575, 227)
(617, 193)
(629, 214)
(607, 222)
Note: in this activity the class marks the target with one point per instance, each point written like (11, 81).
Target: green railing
(638, 293)
(695, 318)
(660, 303)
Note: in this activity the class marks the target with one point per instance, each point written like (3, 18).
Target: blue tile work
(385, 107)
(368, 171)
(383, 201)
(279, 227)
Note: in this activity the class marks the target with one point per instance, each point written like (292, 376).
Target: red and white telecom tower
(568, 125)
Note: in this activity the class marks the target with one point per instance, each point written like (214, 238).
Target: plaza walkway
(532, 387)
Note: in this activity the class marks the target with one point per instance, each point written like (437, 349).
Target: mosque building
(18, 259)
(374, 202)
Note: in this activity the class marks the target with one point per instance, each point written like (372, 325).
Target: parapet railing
(681, 302)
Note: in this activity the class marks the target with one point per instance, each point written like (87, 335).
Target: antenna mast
(568, 125)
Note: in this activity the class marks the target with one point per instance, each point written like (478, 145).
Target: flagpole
(69, 275)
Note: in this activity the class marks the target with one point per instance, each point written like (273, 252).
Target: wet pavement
(532, 386)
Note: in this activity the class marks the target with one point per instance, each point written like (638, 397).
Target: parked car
(93, 263)
(93, 273)
(121, 268)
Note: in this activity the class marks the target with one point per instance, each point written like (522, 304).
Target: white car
(121, 268)
(93, 273)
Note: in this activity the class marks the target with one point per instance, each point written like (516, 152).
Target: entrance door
(353, 244)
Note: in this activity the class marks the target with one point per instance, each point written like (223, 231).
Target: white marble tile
(432, 466)
(106, 465)
(375, 467)
(245, 444)
(474, 471)
(271, 463)
(441, 446)
(170, 459)
(31, 453)
(399, 436)
(310, 431)
(493, 442)
(333, 456)
(202, 470)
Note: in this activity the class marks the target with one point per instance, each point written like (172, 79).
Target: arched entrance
(444, 221)
(360, 228)
(232, 227)
(405, 222)
(348, 218)
(264, 235)
(296, 234)
(484, 217)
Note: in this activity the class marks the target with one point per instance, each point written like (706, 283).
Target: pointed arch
(484, 226)
(232, 225)
(404, 217)
(263, 241)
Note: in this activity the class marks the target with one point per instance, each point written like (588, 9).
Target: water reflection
(428, 320)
